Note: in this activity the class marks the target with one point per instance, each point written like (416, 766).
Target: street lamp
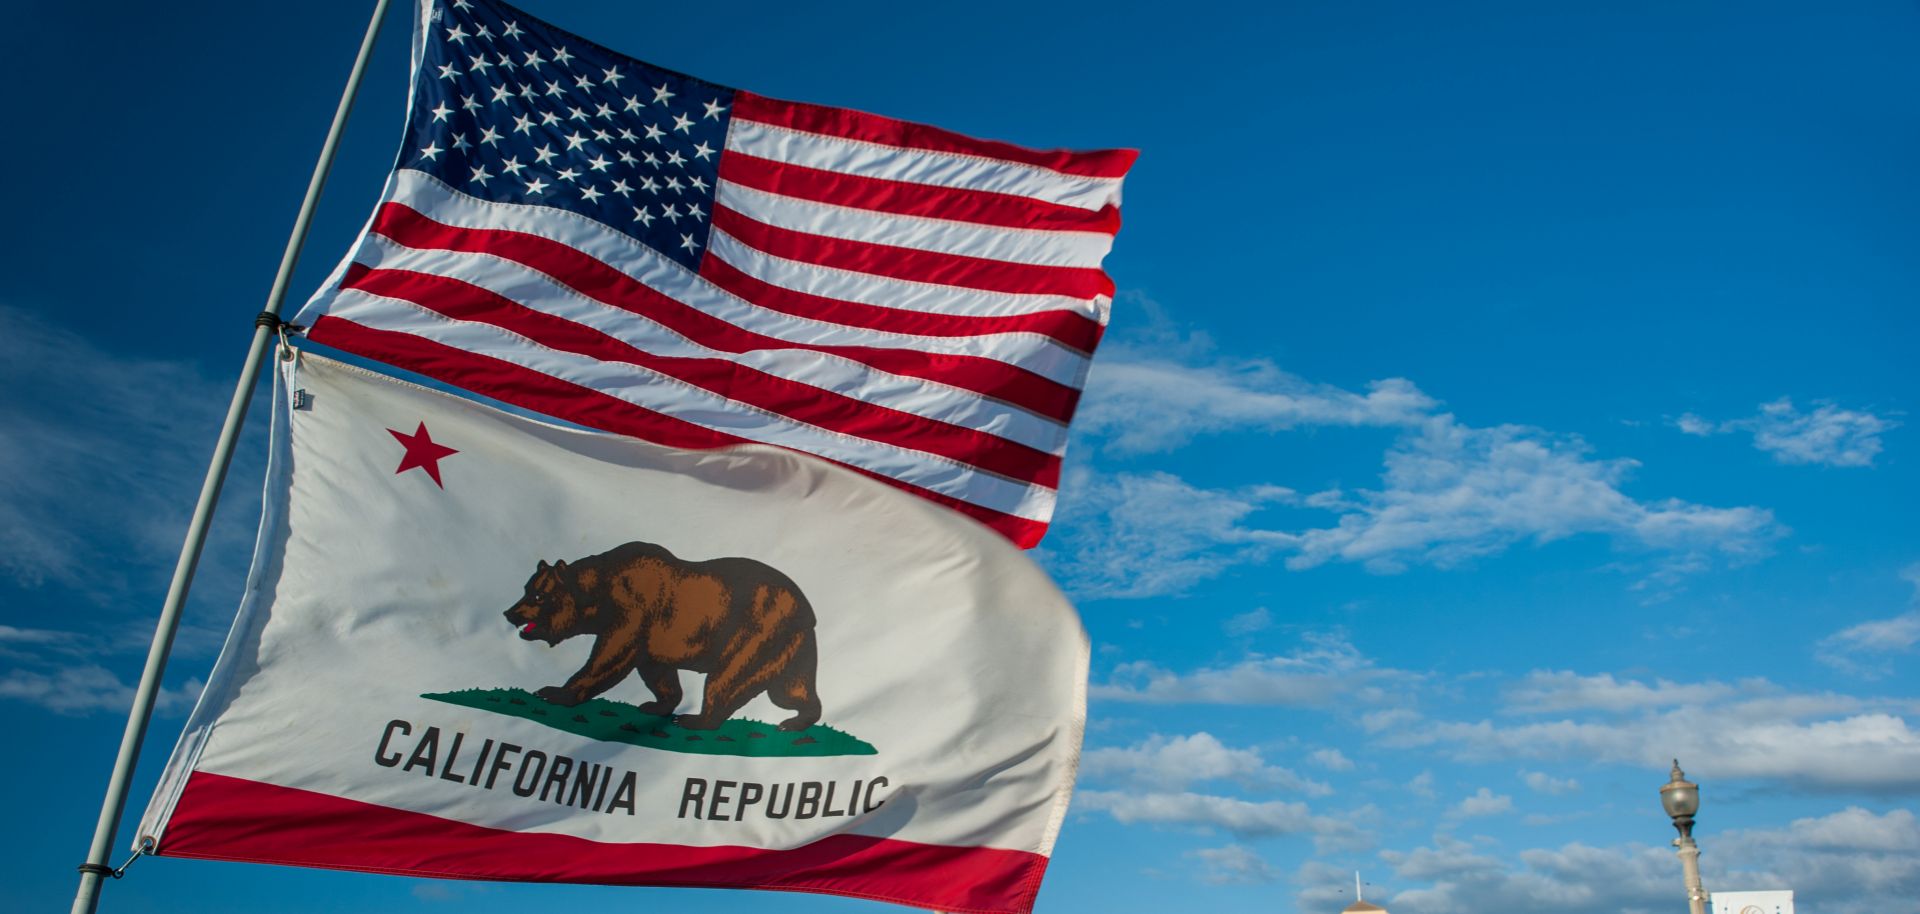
(1681, 798)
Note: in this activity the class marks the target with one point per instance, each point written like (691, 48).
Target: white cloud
(1234, 864)
(1246, 623)
(1542, 782)
(1453, 492)
(1326, 671)
(1331, 759)
(1852, 859)
(1161, 762)
(1422, 785)
(1557, 691)
(89, 688)
(1148, 534)
(1864, 649)
(1828, 436)
(1751, 729)
(1483, 802)
(1140, 400)
(1241, 818)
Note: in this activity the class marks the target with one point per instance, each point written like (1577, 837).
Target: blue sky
(1502, 399)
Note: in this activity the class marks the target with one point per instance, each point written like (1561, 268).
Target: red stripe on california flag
(596, 280)
(227, 818)
(909, 199)
(543, 393)
(886, 131)
(740, 383)
(913, 264)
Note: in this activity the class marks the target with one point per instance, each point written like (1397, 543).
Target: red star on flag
(422, 452)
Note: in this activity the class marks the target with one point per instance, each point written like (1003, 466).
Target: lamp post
(1681, 798)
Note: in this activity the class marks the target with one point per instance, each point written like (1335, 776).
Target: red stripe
(872, 128)
(228, 818)
(908, 199)
(1069, 328)
(529, 389)
(740, 383)
(596, 280)
(913, 264)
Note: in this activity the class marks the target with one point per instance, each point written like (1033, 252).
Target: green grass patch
(616, 722)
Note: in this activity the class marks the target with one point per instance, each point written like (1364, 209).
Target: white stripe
(881, 291)
(540, 292)
(940, 236)
(919, 166)
(1029, 351)
(680, 400)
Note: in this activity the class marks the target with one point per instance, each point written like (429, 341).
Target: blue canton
(510, 109)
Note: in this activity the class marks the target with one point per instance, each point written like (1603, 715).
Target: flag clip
(101, 869)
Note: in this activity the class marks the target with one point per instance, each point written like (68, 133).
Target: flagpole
(87, 898)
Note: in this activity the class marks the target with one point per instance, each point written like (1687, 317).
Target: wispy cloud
(1866, 649)
(1234, 864)
(88, 688)
(1325, 671)
(1828, 436)
(1542, 782)
(1162, 762)
(1241, 818)
(1483, 802)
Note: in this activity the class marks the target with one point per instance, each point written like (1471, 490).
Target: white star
(456, 33)
(501, 94)
(694, 210)
(554, 89)
(676, 159)
(598, 163)
(502, 60)
(634, 103)
(660, 93)
(673, 215)
(440, 113)
(641, 215)
(429, 151)
(575, 114)
(513, 30)
(620, 187)
(627, 135)
(447, 71)
(627, 157)
(512, 166)
(651, 159)
(581, 82)
(591, 193)
(714, 108)
(702, 151)
(536, 186)
(612, 77)
(654, 132)
(603, 111)
(534, 60)
(673, 184)
(490, 137)
(698, 184)
(526, 91)
(484, 33)
(522, 125)
(460, 143)
(686, 241)
(467, 103)
(478, 64)
(548, 117)
(480, 175)
(602, 136)
(567, 174)
(561, 56)
(682, 123)
(541, 155)
(649, 185)
(574, 141)
(462, 5)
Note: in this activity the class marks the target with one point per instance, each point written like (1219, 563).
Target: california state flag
(479, 646)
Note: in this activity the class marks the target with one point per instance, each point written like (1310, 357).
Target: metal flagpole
(264, 327)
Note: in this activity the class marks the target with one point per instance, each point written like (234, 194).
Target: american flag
(578, 233)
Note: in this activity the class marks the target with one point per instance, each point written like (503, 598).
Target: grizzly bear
(742, 623)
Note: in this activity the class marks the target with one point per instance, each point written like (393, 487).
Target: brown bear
(742, 623)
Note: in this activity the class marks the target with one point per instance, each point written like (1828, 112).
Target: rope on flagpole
(266, 325)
